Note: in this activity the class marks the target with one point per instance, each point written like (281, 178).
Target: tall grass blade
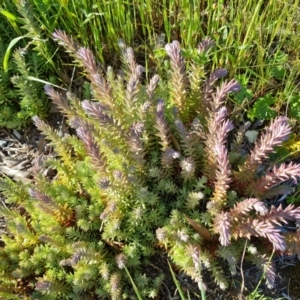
(177, 283)
(8, 51)
(134, 285)
(44, 82)
(8, 15)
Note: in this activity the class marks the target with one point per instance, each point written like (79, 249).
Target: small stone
(17, 134)
(3, 143)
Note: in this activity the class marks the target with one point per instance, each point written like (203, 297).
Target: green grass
(247, 32)
(250, 35)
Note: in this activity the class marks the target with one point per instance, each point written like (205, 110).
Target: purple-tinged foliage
(98, 159)
(277, 132)
(43, 285)
(58, 99)
(88, 59)
(151, 87)
(133, 86)
(162, 127)
(151, 167)
(97, 111)
(79, 254)
(210, 84)
(282, 173)
(135, 142)
(177, 61)
(66, 41)
(223, 174)
(205, 45)
(40, 196)
(245, 206)
(179, 79)
(115, 283)
(44, 201)
(167, 160)
(222, 91)
(77, 122)
(222, 225)
(279, 215)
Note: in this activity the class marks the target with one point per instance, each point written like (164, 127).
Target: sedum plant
(146, 166)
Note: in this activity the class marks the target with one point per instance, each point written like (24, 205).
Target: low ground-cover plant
(150, 166)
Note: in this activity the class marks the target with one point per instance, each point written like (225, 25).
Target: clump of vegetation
(21, 98)
(150, 166)
(265, 53)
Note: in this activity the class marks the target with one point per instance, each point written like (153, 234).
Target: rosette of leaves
(149, 166)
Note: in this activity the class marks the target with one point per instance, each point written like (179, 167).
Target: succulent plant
(148, 165)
